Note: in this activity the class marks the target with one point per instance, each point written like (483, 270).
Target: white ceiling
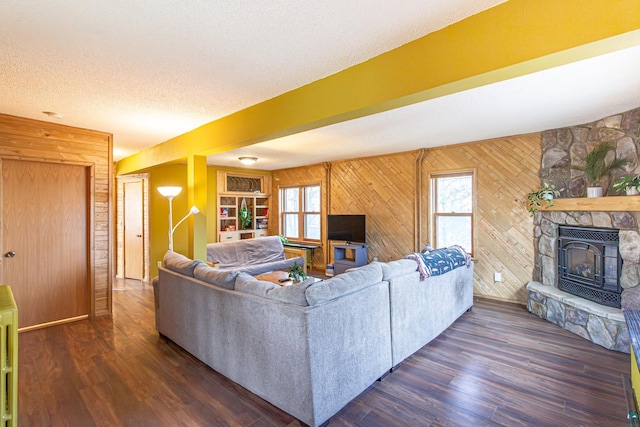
(149, 70)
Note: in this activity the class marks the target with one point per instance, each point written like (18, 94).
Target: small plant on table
(296, 273)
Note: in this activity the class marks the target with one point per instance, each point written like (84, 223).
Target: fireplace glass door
(582, 263)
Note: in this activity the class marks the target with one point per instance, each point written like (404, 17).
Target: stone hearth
(599, 324)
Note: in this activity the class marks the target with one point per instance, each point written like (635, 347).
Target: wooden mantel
(614, 203)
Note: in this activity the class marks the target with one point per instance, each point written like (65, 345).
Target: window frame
(434, 214)
(301, 212)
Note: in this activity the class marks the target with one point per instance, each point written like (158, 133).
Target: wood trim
(418, 197)
(614, 203)
(91, 245)
(54, 323)
(327, 249)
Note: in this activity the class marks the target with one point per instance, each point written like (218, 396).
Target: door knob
(10, 254)
(138, 235)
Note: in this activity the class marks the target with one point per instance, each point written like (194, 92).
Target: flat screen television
(350, 228)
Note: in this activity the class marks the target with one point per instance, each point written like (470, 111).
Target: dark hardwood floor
(497, 365)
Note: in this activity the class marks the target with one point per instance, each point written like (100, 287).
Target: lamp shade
(169, 192)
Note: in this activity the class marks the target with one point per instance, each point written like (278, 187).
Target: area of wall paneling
(385, 189)
(26, 139)
(507, 169)
(314, 174)
(382, 188)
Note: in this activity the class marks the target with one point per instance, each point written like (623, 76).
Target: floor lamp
(170, 193)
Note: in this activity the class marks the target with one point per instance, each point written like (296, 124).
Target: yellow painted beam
(512, 39)
(197, 196)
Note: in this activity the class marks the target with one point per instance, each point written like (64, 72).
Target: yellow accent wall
(159, 213)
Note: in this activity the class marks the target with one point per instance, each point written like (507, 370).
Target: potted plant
(596, 167)
(296, 273)
(629, 184)
(546, 193)
(245, 215)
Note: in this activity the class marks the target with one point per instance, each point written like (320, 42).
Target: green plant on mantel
(628, 184)
(595, 165)
(546, 194)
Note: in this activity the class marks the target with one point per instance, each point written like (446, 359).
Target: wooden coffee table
(275, 276)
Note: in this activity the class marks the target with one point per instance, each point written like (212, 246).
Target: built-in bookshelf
(243, 206)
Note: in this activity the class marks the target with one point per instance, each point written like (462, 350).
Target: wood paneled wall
(507, 169)
(382, 188)
(394, 194)
(313, 174)
(26, 139)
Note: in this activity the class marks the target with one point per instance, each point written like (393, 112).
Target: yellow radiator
(8, 358)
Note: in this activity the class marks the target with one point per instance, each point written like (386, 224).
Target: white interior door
(133, 230)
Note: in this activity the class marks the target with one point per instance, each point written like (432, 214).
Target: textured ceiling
(147, 71)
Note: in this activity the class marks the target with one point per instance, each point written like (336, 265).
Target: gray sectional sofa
(253, 256)
(312, 347)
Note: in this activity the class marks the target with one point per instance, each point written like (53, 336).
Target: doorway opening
(132, 227)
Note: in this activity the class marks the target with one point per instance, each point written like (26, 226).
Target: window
(452, 203)
(300, 212)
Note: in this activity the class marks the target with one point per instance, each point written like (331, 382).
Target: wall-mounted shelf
(614, 203)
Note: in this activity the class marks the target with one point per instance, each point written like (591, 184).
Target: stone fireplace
(589, 264)
(584, 284)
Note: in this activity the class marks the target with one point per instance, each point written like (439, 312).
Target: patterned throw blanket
(434, 262)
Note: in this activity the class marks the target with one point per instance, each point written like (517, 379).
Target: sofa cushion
(343, 284)
(292, 294)
(397, 268)
(222, 278)
(180, 263)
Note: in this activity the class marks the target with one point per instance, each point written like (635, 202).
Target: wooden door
(133, 242)
(44, 240)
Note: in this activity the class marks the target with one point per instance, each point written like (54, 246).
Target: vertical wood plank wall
(27, 139)
(384, 188)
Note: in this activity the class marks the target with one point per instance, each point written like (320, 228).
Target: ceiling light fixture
(248, 160)
(52, 114)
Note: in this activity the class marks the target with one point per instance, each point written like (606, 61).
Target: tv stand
(349, 256)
